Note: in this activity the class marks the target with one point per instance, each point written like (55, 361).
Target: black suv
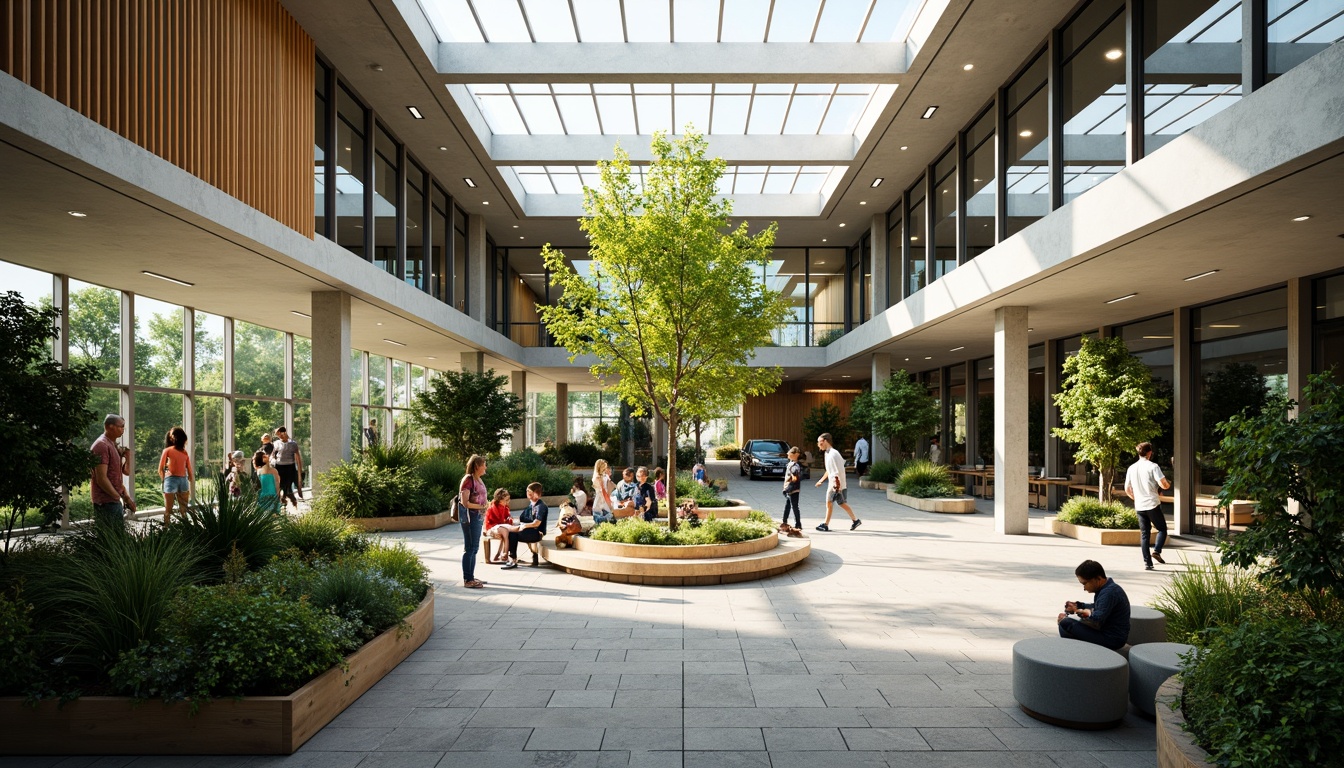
(764, 458)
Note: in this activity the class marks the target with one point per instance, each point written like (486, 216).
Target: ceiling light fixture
(928, 112)
(914, 238)
(968, 67)
(863, 202)
(515, 226)
(1114, 54)
(1301, 218)
(1025, 133)
(394, 341)
(431, 357)
(169, 279)
(846, 376)
(956, 349)
(376, 67)
(1119, 299)
(904, 148)
(929, 358)
(842, 223)
(1029, 330)
(1223, 325)
(300, 314)
(443, 149)
(83, 215)
(522, 237)
(822, 240)
(469, 182)
(1201, 274)
(485, 202)
(415, 113)
(379, 323)
(878, 181)
(1157, 337)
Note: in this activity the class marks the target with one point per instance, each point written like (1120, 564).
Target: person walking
(175, 473)
(793, 486)
(861, 459)
(836, 484)
(472, 503)
(110, 499)
(371, 434)
(1105, 622)
(935, 450)
(268, 483)
(289, 463)
(1143, 483)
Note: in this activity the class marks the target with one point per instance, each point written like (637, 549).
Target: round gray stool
(1070, 682)
(1146, 625)
(1150, 665)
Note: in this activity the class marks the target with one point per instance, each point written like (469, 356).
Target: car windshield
(770, 446)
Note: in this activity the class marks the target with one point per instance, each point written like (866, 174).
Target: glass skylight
(665, 21)
(762, 109)
(736, 180)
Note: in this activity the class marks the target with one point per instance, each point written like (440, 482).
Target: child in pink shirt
(499, 523)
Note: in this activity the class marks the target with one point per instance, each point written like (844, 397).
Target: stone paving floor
(890, 646)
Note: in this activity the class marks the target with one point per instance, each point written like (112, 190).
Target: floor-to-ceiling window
(944, 215)
(1027, 183)
(1092, 86)
(916, 264)
(826, 294)
(1328, 326)
(351, 171)
(1191, 65)
(1151, 341)
(981, 180)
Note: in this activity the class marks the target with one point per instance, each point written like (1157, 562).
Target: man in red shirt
(110, 499)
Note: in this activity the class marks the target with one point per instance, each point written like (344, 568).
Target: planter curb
(1175, 747)
(1105, 536)
(957, 505)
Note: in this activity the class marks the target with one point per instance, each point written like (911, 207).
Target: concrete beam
(664, 62)
(770, 207)
(514, 149)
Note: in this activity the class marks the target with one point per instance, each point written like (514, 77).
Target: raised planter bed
(675, 552)
(952, 505)
(405, 522)
(679, 565)
(873, 485)
(256, 725)
(1104, 536)
(1175, 747)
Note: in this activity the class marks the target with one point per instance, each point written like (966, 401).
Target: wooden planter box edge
(1104, 536)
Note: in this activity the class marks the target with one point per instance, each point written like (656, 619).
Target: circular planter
(1176, 748)
(701, 564)
(677, 552)
(954, 505)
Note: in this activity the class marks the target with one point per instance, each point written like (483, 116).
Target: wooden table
(983, 478)
(1039, 489)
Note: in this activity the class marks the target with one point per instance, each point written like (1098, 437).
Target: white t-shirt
(580, 500)
(599, 498)
(1144, 480)
(935, 453)
(835, 468)
(861, 451)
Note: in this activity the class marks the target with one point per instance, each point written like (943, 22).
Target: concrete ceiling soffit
(518, 149)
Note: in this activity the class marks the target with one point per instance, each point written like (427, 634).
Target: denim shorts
(176, 484)
(836, 496)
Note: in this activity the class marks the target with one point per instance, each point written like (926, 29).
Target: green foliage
(401, 453)
(1206, 595)
(440, 473)
(923, 479)
(704, 496)
(757, 516)
(826, 418)
(1108, 404)
(672, 306)
(728, 451)
(1232, 389)
(634, 530)
(19, 647)
(106, 591)
(580, 454)
(687, 456)
(322, 536)
(396, 561)
(1272, 458)
(1092, 512)
(517, 470)
(605, 435)
(885, 471)
(215, 528)
(1266, 691)
(900, 412)
(230, 641)
(360, 594)
(45, 411)
(468, 412)
(829, 337)
(363, 489)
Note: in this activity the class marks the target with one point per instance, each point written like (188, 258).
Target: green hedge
(364, 489)
(923, 479)
(728, 452)
(1092, 512)
(885, 471)
(519, 469)
(634, 530)
(705, 496)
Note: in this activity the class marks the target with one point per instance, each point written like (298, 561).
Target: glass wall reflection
(1092, 71)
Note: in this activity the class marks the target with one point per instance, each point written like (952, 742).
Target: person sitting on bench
(533, 520)
(1105, 622)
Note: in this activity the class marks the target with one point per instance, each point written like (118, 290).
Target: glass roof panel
(599, 21)
(446, 17)
(617, 113)
(540, 114)
(647, 22)
(744, 21)
(736, 180)
(567, 183)
(691, 110)
(890, 21)
(501, 114)
(841, 21)
(502, 21)
(730, 115)
(793, 21)
(654, 113)
(579, 113)
(767, 114)
(550, 21)
(844, 114)
(695, 21)
(809, 183)
(778, 183)
(805, 114)
(749, 183)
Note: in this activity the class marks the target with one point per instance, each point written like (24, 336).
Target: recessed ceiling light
(929, 358)
(165, 277)
(845, 376)
(1114, 54)
(300, 314)
(393, 341)
(469, 182)
(863, 202)
(914, 238)
(1157, 337)
(822, 263)
(485, 202)
(83, 215)
(1223, 325)
(907, 359)
(1119, 299)
(443, 149)
(842, 223)
(1025, 133)
(928, 112)
(376, 67)
(522, 237)
(1201, 274)
(968, 67)
(878, 181)
(904, 148)
(379, 323)
(822, 240)
(956, 349)
(415, 113)
(1029, 330)
(1301, 218)
(515, 226)
(431, 357)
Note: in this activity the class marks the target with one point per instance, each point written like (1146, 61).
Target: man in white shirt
(835, 482)
(861, 456)
(935, 450)
(1143, 483)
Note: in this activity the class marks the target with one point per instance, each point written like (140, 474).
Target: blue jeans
(603, 516)
(1155, 519)
(471, 532)
(791, 502)
(110, 513)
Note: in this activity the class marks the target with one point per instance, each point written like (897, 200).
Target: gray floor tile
(730, 739)
(590, 699)
(346, 740)
(491, 740)
(726, 760)
(420, 740)
(961, 739)
(885, 739)
(853, 698)
(803, 739)
(552, 739)
(401, 760)
(641, 698)
(516, 698)
(831, 759)
(642, 739)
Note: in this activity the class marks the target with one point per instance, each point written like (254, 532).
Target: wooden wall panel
(779, 415)
(220, 88)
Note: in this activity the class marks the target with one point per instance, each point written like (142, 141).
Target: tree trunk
(671, 499)
(1104, 475)
(699, 426)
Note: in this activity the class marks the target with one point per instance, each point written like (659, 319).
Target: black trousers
(289, 480)
(791, 502)
(528, 535)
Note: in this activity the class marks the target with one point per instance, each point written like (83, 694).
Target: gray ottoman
(1070, 682)
(1150, 665)
(1146, 625)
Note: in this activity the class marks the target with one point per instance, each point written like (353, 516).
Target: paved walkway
(890, 646)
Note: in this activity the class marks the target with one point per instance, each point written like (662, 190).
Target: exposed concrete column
(1054, 466)
(1010, 420)
(331, 381)
(473, 362)
(518, 386)
(478, 270)
(881, 367)
(1300, 310)
(881, 300)
(561, 414)
(1184, 369)
(60, 299)
(126, 377)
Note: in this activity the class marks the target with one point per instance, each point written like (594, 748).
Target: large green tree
(1107, 404)
(900, 412)
(468, 412)
(43, 411)
(670, 301)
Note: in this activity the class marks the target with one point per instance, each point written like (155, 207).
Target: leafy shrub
(290, 577)
(228, 640)
(581, 454)
(551, 456)
(440, 473)
(687, 456)
(216, 528)
(1266, 692)
(1092, 512)
(362, 595)
(19, 644)
(923, 479)
(704, 496)
(401, 453)
(396, 561)
(757, 516)
(634, 530)
(887, 471)
(1206, 595)
(517, 470)
(363, 489)
(321, 535)
(728, 452)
